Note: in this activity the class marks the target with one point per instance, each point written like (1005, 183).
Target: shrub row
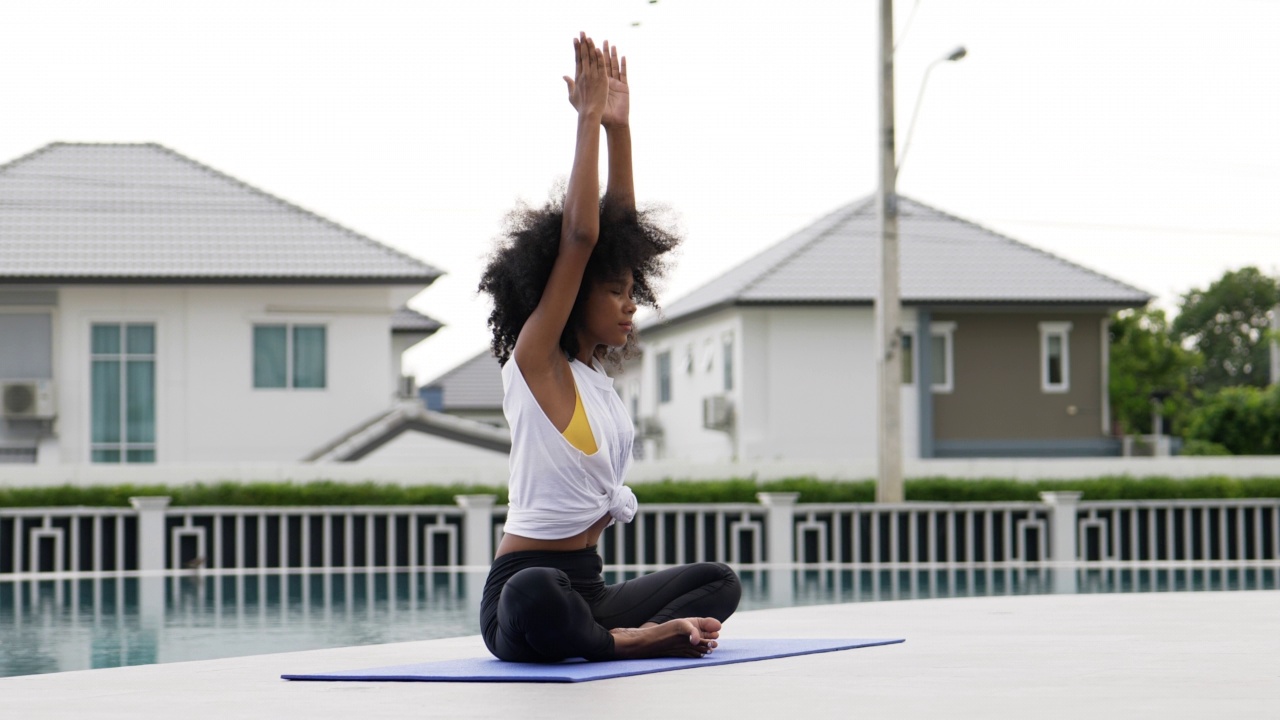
(738, 490)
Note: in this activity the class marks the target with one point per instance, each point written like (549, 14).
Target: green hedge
(735, 490)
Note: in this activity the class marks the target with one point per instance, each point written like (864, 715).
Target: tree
(1244, 420)
(1145, 359)
(1229, 324)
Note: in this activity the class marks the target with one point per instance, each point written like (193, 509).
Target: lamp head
(957, 54)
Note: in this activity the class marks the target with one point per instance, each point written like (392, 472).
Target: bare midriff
(585, 539)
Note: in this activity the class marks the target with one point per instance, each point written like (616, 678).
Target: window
(727, 341)
(941, 357)
(289, 356)
(1055, 357)
(122, 386)
(664, 376)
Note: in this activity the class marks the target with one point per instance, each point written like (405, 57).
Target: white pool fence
(777, 530)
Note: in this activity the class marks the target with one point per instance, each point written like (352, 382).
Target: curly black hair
(520, 265)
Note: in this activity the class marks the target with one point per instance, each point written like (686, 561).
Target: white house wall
(804, 387)
(207, 409)
(681, 419)
(811, 388)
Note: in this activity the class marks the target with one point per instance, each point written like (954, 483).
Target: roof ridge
(292, 206)
(28, 156)
(853, 207)
(1019, 243)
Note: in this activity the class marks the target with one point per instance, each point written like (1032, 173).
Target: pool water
(75, 623)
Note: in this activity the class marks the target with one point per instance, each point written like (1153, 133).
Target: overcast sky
(1138, 138)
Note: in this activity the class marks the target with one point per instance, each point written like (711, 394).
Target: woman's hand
(618, 107)
(589, 87)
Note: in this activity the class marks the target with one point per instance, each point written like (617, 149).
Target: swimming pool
(76, 623)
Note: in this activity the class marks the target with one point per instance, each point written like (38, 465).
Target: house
(472, 389)
(154, 310)
(774, 361)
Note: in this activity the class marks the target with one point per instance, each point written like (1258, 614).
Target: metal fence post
(1063, 529)
(151, 543)
(779, 524)
(477, 524)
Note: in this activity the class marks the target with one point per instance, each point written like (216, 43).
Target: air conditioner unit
(717, 412)
(27, 399)
(648, 427)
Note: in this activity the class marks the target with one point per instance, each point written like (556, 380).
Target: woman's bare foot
(686, 637)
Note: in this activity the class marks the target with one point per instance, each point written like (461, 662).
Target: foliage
(1145, 359)
(1244, 420)
(738, 490)
(1229, 324)
(1203, 447)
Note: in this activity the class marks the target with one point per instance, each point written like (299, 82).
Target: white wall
(804, 387)
(681, 419)
(207, 409)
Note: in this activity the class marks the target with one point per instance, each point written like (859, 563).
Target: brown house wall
(997, 394)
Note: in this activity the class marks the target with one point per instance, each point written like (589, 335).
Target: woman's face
(610, 308)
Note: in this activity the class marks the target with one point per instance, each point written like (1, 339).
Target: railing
(1156, 530)
(678, 534)
(152, 536)
(921, 533)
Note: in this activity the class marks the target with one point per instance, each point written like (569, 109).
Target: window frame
(664, 379)
(944, 329)
(290, 377)
(1062, 330)
(124, 357)
(727, 365)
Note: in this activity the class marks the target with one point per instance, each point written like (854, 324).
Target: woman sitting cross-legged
(565, 284)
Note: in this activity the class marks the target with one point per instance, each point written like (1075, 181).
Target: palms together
(617, 108)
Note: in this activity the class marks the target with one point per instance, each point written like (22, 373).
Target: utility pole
(889, 486)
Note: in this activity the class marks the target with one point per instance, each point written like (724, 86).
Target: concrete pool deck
(1158, 655)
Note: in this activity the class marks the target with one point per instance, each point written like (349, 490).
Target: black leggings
(548, 606)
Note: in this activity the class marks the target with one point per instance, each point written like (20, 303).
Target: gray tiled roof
(474, 385)
(408, 320)
(943, 259)
(117, 212)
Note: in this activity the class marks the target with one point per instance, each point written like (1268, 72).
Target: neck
(586, 350)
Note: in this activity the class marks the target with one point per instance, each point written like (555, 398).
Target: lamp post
(953, 56)
(888, 308)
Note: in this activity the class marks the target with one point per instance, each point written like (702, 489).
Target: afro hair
(520, 265)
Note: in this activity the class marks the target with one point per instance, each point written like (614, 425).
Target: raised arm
(537, 350)
(620, 194)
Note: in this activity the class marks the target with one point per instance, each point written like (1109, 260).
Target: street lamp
(888, 307)
(953, 56)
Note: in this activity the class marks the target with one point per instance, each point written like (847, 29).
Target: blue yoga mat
(488, 669)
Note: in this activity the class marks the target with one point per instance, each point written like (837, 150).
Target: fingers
(590, 60)
(617, 70)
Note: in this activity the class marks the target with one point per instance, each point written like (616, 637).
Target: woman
(565, 285)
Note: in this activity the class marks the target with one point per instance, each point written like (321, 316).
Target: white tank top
(557, 491)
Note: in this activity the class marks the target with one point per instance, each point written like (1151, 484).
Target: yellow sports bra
(578, 432)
